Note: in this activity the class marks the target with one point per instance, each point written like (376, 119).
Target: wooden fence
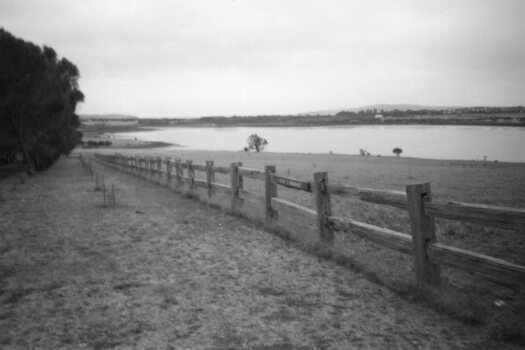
(420, 243)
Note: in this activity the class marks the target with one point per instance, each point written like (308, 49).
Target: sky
(192, 58)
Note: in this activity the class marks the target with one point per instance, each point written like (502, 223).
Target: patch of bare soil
(160, 271)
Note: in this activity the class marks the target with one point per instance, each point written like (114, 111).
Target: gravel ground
(160, 271)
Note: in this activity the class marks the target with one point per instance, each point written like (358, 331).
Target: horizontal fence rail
(292, 183)
(502, 217)
(420, 243)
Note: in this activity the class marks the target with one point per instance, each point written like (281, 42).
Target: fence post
(241, 179)
(423, 234)
(177, 171)
(159, 170)
(169, 168)
(270, 189)
(152, 170)
(210, 177)
(191, 174)
(323, 207)
(234, 185)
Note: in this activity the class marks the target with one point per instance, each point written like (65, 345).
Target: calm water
(422, 141)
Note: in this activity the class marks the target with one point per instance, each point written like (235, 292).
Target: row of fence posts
(422, 225)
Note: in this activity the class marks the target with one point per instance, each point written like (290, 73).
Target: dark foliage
(397, 151)
(38, 97)
(256, 143)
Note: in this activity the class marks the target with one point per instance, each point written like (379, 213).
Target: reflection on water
(423, 141)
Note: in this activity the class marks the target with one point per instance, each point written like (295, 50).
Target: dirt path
(163, 272)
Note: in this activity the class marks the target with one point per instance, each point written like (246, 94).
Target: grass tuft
(452, 302)
(510, 327)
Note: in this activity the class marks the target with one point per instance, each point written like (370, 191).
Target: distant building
(378, 116)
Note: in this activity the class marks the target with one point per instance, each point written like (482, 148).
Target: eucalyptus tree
(38, 97)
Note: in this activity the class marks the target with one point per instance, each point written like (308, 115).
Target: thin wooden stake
(103, 195)
(113, 194)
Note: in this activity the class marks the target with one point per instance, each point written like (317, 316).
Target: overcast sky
(194, 58)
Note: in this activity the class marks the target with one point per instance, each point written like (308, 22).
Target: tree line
(38, 96)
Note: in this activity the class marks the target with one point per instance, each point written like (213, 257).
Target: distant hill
(379, 107)
(107, 116)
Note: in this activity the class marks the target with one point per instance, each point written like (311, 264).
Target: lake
(421, 141)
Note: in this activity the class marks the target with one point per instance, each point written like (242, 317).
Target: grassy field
(465, 296)
(161, 271)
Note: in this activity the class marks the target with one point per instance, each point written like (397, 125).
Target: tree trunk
(30, 164)
(28, 161)
(19, 132)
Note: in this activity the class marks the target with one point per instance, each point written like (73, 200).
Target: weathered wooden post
(423, 234)
(169, 169)
(152, 169)
(191, 174)
(234, 185)
(241, 179)
(323, 207)
(210, 177)
(270, 191)
(178, 171)
(159, 170)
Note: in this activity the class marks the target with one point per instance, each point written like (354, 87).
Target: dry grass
(160, 271)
